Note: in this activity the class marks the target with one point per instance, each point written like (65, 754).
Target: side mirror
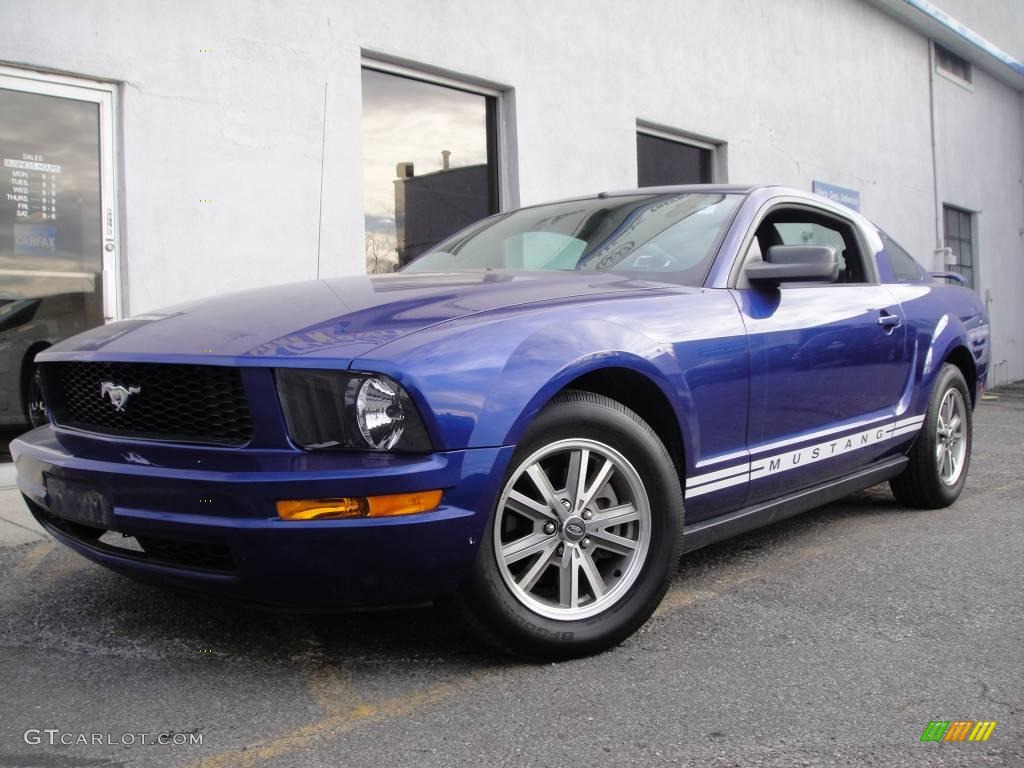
(795, 264)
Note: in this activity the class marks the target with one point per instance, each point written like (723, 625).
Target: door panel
(828, 365)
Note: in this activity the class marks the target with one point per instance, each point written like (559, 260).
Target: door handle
(889, 321)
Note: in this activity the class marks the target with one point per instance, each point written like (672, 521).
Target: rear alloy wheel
(585, 535)
(951, 448)
(939, 459)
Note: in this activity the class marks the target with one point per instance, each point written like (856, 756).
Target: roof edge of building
(935, 24)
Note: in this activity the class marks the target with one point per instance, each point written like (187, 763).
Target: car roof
(743, 189)
(765, 191)
(723, 189)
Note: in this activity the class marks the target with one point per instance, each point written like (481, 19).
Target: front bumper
(205, 517)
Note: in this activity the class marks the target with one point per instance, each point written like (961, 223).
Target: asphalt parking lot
(830, 639)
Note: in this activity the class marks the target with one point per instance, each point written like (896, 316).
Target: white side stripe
(723, 457)
(791, 441)
(906, 430)
(782, 462)
(727, 483)
(718, 474)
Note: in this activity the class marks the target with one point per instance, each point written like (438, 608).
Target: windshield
(665, 237)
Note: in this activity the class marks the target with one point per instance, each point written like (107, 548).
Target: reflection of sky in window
(64, 132)
(406, 120)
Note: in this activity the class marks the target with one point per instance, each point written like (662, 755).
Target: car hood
(332, 320)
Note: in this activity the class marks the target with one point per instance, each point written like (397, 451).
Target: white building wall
(980, 167)
(267, 125)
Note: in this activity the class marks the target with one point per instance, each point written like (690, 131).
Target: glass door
(58, 227)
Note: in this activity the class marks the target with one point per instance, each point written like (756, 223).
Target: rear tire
(562, 582)
(941, 456)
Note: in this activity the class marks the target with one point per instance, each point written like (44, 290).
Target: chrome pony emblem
(118, 395)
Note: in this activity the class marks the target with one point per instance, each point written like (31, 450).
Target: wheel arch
(27, 359)
(961, 357)
(646, 399)
(34, 349)
(629, 380)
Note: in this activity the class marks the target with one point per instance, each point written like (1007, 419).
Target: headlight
(379, 413)
(345, 410)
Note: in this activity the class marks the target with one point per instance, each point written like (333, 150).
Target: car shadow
(67, 603)
(876, 501)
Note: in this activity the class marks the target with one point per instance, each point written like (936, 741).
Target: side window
(802, 227)
(813, 234)
(903, 264)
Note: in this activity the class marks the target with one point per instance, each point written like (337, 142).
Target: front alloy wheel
(572, 530)
(585, 536)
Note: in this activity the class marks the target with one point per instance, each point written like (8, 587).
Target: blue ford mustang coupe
(519, 418)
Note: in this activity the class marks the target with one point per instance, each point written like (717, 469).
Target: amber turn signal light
(362, 506)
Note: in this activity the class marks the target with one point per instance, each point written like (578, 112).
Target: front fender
(479, 381)
(569, 350)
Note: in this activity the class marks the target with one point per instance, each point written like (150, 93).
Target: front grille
(181, 403)
(205, 555)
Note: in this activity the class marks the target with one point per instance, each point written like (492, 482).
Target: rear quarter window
(904, 268)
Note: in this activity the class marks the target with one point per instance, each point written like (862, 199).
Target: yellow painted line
(332, 690)
(70, 564)
(329, 684)
(345, 711)
(332, 725)
(343, 708)
(35, 555)
(684, 597)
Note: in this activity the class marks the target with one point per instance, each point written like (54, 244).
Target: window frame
(106, 96)
(870, 267)
(941, 51)
(716, 162)
(971, 218)
(501, 132)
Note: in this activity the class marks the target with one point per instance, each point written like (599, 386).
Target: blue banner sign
(848, 197)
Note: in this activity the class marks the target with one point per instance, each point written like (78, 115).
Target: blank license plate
(78, 503)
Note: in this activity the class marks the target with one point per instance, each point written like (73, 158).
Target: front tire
(33, 405)
(939, 459)
(585, 535)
